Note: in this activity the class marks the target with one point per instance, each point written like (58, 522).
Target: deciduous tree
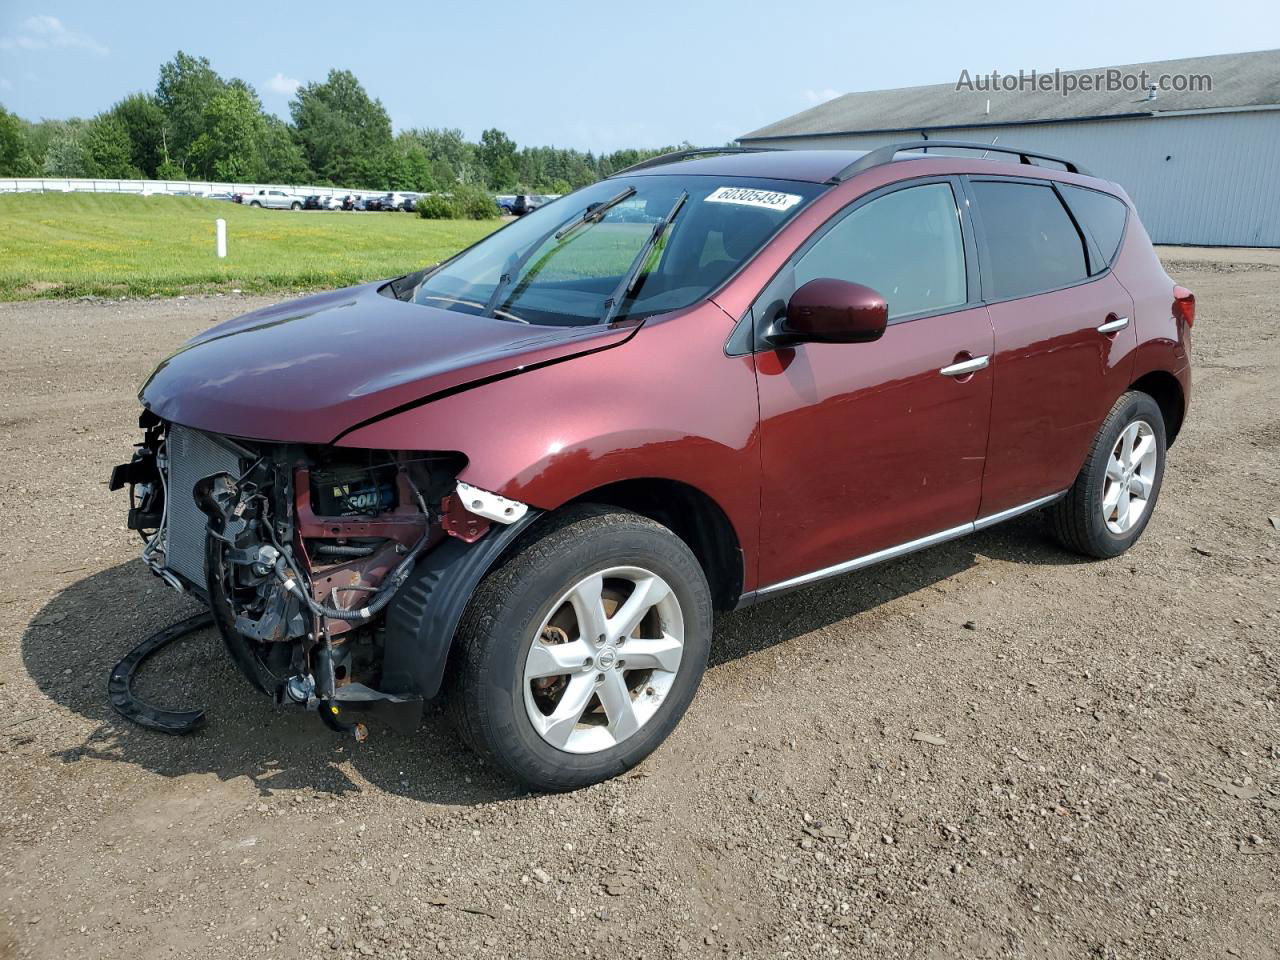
(345, 134)
(15, 156)
(498, 154)
(144, 122)
(186, 86)
(107, 149)
(230, 148)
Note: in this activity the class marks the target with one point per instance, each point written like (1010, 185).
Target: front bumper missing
(411, 642)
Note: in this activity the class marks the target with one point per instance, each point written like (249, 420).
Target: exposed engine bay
(298, 551)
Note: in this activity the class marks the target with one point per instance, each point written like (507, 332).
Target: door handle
(1113, 324)
(966, 367)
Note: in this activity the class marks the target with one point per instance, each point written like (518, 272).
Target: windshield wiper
(516, 261)
(626, 287)
(594, 212)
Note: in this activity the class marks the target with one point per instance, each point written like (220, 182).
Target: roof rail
(677, 155)
(888, 153)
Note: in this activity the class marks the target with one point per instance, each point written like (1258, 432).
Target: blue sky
(592, 75)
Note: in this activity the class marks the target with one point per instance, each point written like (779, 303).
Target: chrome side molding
(992, 519)
(902, 549)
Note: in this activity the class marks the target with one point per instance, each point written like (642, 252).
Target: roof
(1238, 80)
(810, 166)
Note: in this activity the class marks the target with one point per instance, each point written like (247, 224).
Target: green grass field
(81, 244)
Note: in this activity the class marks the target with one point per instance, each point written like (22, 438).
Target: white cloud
(285, 86)
(50, 33)
(816, 97)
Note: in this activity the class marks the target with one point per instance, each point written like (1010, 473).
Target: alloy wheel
(604, 660)
(1130, 479)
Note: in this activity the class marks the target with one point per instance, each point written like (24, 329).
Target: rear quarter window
(1101, 214)
(1031, 242)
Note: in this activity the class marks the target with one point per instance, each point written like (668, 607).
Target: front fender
(667, 404)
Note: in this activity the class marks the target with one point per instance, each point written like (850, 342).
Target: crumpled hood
(308, 370)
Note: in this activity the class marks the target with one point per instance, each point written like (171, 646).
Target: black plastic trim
(425, 613)
(1124, 231)
(889, 152)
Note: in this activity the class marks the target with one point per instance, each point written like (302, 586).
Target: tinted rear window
(1032, 244)
(1102, 215)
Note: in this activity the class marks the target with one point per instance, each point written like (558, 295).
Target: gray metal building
(1202, 165)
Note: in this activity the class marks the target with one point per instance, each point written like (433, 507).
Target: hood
(308, 370)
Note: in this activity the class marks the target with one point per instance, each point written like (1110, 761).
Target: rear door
(867, 447)
(1064, 337)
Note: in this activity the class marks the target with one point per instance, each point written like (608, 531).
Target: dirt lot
(1101, 774)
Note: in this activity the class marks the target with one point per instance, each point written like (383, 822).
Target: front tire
(1112, 499)
(295, 206)
(581, 652)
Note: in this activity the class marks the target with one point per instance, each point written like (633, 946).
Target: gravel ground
(991, 749)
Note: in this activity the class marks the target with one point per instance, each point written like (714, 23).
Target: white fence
(146, 188)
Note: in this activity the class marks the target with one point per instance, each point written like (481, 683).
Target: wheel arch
(694, 517)
(1163, 387)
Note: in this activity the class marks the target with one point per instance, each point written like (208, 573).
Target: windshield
(559, 266)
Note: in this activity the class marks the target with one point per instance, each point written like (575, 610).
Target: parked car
(313, 202)
(372, 203)
(220, 196)
(523, 203)
(527, 489)
(504, 203)
(274, 199)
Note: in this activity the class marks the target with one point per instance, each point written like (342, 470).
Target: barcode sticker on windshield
(769, 199)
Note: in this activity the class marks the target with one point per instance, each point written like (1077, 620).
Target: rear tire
(295, 205)
(554, 730)
(1109, 505)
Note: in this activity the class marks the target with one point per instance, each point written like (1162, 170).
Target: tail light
(1184, 306)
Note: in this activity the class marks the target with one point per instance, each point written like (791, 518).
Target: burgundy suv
(525, 477)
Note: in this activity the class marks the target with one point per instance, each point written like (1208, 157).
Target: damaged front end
(301, 551)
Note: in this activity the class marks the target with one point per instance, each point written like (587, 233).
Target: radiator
(192, 457)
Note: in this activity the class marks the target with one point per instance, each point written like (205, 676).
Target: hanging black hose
(120, 684)
(341, 550)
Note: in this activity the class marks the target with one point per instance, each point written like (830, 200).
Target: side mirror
(831, 311)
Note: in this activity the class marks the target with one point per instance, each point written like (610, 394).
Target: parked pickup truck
(275, 199)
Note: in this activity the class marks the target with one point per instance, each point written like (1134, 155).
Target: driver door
(874, 446)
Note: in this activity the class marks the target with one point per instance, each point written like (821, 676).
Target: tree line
(199, 126)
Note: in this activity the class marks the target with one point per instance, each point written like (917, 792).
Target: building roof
(1238, 80)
